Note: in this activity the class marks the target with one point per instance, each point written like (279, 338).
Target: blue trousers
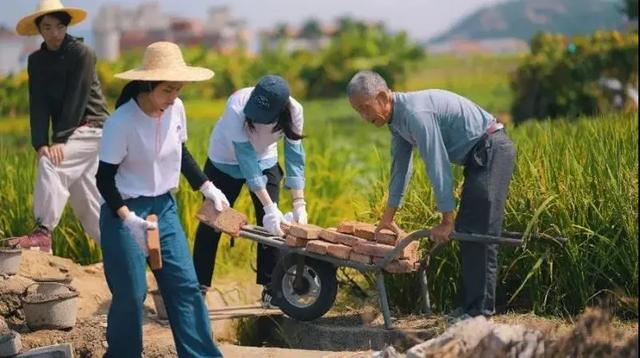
(124, 268)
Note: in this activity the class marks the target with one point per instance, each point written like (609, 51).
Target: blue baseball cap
(267, 99)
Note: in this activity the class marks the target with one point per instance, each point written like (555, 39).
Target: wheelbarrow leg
(299, 279)
(422, 276)
(384, 304)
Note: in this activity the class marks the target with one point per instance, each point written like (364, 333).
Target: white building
(117, 28)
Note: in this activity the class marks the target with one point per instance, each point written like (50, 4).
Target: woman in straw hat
(64, 92)
(243, 149)
(142, 154)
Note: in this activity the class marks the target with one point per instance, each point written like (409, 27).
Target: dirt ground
(88, 336)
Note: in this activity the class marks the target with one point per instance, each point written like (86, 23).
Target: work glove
(272, 219)
(214, 194)
(138, 228)
(300, 211)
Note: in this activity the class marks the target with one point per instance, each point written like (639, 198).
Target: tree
(631, 9)
(311, 29)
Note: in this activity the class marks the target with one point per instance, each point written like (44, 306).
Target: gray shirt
(444, 126)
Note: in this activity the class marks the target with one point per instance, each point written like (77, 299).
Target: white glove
(272, 219)
(138, 227)
(300, 211)
(214, 194)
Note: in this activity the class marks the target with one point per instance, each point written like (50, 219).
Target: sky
(422, 19)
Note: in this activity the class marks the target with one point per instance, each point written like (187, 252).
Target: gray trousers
(487, 174)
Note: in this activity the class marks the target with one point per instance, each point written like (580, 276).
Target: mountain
(522, 19)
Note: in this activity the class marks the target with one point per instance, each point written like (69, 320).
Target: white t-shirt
(148, 150)
(232, 128)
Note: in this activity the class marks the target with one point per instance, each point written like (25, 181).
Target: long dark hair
(133, 89)
(285, 123)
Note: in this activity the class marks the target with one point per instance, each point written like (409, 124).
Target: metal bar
(424, 290)
(485, 239)
(537, 236)
(382, 295)
(298, 280)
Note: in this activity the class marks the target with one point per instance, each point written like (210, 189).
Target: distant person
(142, 154)
(446, 128)
(243, 149)
(64, 93)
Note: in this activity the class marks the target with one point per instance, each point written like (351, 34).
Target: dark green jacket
(64, 88)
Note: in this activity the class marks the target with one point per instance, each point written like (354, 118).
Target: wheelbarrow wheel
(313, 296)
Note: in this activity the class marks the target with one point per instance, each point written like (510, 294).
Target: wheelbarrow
(305, 285)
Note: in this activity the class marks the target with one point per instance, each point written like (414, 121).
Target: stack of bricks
(354, 241)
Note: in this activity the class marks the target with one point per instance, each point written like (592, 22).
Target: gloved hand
(272, 219)
(214, 194)
(138, 227)
(300, 211)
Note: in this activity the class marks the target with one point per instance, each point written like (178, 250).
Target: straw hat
(163, 62)
(27, 25)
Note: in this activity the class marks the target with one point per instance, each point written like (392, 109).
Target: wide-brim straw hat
(27, 25)
(163, 61)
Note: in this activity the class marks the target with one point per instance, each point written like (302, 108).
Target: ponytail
(285, 123)
(133, 89)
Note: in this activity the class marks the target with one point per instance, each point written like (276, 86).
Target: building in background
(311, 36)
(117, 28)
(463, 47)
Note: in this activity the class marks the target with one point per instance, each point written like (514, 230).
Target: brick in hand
(228, 220)
(153, 244)
(365, 231)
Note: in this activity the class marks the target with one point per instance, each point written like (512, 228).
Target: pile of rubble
(594, 335)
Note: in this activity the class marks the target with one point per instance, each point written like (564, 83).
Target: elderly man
(446, 128)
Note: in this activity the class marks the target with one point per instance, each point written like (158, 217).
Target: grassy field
(576, 179)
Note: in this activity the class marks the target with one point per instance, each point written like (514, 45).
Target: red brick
(334, 236)
(372, 249)
(387, 237)
(229, 220)
(365, 231)
(318, 246)
(412, 252)
(397, 266)
(330, 235)
(305, 231)
(365, 259)
(293, 241)
(339, 251)
(351, 240)
(347, 227)
(153, 244)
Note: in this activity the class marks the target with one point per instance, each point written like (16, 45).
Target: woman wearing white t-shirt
(243, 149)
(142, 154)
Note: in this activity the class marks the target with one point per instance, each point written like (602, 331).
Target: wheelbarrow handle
(508, 238)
